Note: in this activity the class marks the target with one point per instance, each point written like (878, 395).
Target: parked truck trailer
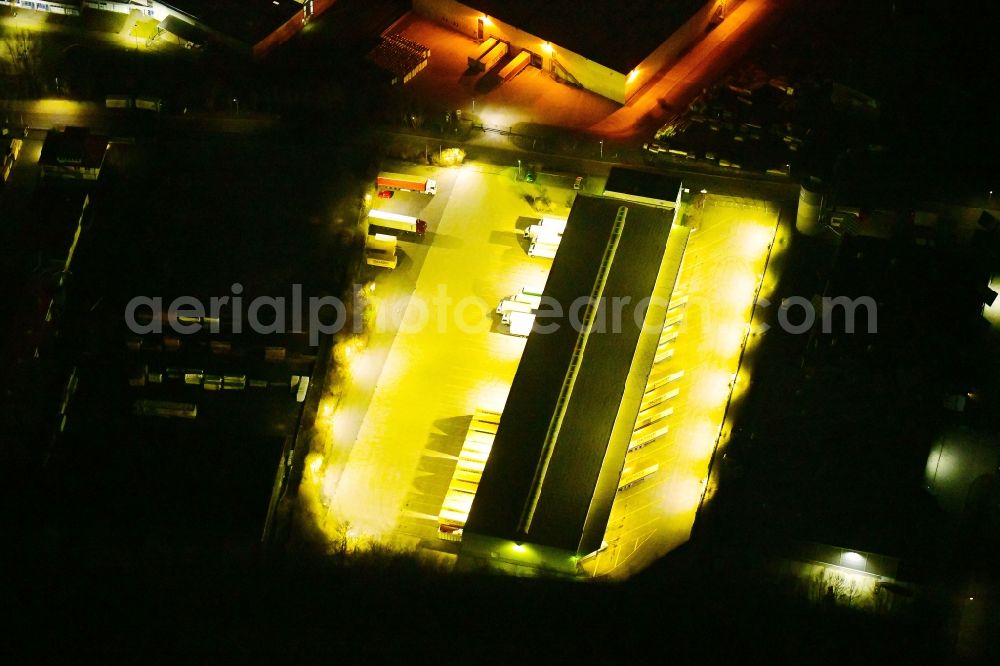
(493, 56)
(556, 224)
(388, 220)
(475, 60)
(514, 67)
(543, 250)
(407, 183)
(520, 323)
(510, 305)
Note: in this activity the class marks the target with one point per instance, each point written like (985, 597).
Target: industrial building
(610, 48)
(252, 27)
(645, 187)
(73, 153)
(555, 464)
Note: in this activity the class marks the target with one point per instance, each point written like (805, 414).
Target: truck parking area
(447, 354)
(448, 342)
(699, 371)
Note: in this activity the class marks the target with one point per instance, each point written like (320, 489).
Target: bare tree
(25, 56)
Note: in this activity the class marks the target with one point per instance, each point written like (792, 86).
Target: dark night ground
(841, 460)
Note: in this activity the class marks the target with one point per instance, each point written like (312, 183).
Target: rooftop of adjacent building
(619, 35)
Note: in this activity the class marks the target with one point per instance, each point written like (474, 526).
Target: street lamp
(237, 101)
(519, 169)
(602, 148)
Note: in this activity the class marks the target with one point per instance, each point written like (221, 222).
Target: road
(48, 113)
(501, 152)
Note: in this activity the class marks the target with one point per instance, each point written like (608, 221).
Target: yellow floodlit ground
(992, 312)
(711, 389)
(144, 29)
(739, 289)
(56, 106)
(698, 437)
(729, 337)
(723, 270)
(681, 498)
(491, 394)
(754, 241)
(438, 353)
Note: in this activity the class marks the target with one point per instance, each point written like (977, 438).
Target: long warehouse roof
(539, 489)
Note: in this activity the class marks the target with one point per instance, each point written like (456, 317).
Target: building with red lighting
(608, 47)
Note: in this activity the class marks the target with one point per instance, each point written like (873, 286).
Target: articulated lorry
(407, 183)
(381, 218)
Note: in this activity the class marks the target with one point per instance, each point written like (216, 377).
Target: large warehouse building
(555, 465)
(609, 47)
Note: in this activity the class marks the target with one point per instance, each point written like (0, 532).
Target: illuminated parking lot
(696, 372)
(449, 357)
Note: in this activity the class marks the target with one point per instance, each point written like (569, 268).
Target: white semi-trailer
(388, 220)
(556, 224)
(520, 323)
(533, 300)
(548, 228)
(543, 250)
(510, 305)
(537, 232)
